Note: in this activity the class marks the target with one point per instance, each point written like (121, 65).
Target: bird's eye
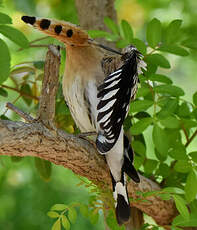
(69, 33)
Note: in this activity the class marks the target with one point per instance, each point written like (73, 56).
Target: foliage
(159, 110)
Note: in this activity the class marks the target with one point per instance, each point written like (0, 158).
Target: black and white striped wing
(114, 96)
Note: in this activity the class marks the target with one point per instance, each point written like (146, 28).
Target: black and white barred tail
(122, 204)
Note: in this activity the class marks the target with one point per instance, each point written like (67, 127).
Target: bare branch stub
(22, 114)
(50, 82)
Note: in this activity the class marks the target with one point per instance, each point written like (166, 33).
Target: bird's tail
(128, 167)
(122, 204)
(121, 198)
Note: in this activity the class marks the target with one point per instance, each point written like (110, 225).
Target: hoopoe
(98, 87)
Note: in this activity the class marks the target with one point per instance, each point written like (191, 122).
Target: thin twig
(35, 46)
(36, 40)
(191, 138)
(21, 93)
(185, 132)
(39, 39)
(13, 103)
(22, 114)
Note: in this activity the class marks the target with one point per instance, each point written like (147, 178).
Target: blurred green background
(24, 197)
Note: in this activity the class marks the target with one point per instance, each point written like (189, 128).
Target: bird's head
(65, 32)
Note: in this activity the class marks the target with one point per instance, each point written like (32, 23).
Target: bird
(98, 84)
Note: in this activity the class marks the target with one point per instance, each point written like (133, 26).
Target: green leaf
(140, 105)
(141, 125)
(153, 33)
(160, 156)
(188, 123)
(142, 91)
(38, 64)
(5, 19)
(122, 44)
(195, 98)
(94, 217)
(194, 113)
(193, 155)
(173, 190)
(126, 31)
(179, 221)
(163, 170)
(44, 168)
(14, 35)
(111, 25)
(3, 92)
(138, 161)
(190, 43)
(168, 108)
(84, 210)
(59, 207)
(150, 166)
(165, 196)
(184, 110)
(182, 166)
(97, 33)
(65, 222)
(160, 78)
(191, 186)
(169, 89)
(140, 45)
(53, 214)
(172, 31)
(182, 208)
(27, 90)
(139, 147)
(72, 215)
(4, 61)
(158, 59)
(178, 152)
(174, 49)
(159, 136)
(102, 34)
(170, 122)
(56, 225)
(3, 117)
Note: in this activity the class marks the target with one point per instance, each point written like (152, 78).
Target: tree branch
(96, 11)
(79, 155)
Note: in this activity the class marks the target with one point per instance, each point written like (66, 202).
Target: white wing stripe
(106, 117)
(107, 106)
(112, 84)
(112, 77)
(109, 94)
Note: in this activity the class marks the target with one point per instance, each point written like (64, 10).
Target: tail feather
(122, 203)
(128, 167)
(121, 198)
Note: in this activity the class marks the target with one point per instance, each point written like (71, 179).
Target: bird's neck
(84, 62)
